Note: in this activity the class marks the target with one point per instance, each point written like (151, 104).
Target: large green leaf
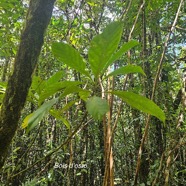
(54, 88)
(34, 118)
(103, 46)
(70, 90)
(141, 103)
(55, 78)
(97, 107)
(125, 47)
(38, 84)
(127, 69)
(70, 56)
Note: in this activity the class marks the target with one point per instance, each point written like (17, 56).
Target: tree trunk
(37, 20)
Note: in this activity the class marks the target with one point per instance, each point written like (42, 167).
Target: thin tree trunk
(38, 17)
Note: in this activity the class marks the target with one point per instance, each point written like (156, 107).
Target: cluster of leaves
(101, 54)
(84, 64)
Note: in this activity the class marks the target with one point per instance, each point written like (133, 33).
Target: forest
(92, 93)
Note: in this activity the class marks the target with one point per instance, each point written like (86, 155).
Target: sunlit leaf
(70, 56)
(55, 78)
(127, 69)
(26, 121)
(34, 118)
(125, 48)
(103, 46)
(141, 103)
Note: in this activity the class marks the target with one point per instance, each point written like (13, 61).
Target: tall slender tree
(37, 20)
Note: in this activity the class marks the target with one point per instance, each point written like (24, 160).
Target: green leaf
(126, 70)
(84, 94)
(37, 84)
(34, 118)
(141, 103)
(55, 78)
(97, 107)
(103, 46)
(54, 88)
(125, 47)
(57, 114)
(70, 56)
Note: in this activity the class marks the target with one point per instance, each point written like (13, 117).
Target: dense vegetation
(105, 98)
